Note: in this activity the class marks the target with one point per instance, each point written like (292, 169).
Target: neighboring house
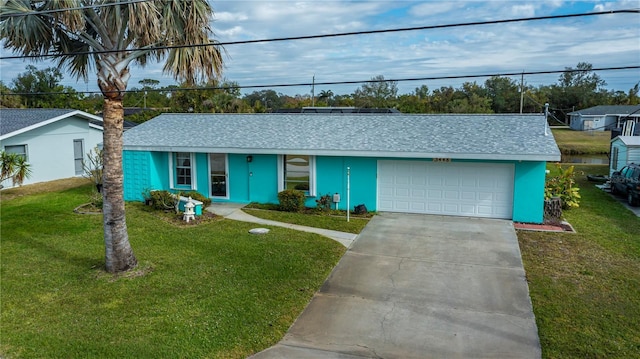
(466, 165)
(624, 150)
(55, 142)
(603, 118)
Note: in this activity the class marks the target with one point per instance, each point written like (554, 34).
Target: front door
(218, 175)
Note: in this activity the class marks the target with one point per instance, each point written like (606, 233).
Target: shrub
(562, 185)
(195, 195)
(323, 204)
(96, 199)
(164, 200)
(291, 200)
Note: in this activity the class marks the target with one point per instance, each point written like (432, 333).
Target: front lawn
(585, 287)
(209, 290)
(573, 142)
(334, 222)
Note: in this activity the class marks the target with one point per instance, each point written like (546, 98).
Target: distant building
(55, 142)
(603, 118)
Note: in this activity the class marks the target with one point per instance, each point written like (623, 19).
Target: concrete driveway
(421, 286)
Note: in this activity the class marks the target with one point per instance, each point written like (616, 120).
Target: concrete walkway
(234, 211)
(420, 286)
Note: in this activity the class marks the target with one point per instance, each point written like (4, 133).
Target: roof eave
(78, 113)
(379, 154)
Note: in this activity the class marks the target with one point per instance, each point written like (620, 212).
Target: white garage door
(449, 188)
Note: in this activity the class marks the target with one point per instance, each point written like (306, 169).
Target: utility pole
(313, 89)
(521, 90)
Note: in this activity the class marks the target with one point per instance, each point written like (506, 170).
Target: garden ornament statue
(189, 213)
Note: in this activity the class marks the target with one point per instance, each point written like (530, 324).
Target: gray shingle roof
(608, 110)
(14, 119)
(506, 137)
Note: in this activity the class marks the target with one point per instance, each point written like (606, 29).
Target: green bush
(164, 200)
(195, 195)
(291, 200)
(562, 184)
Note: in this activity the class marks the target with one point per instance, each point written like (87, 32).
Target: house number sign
(442, 160)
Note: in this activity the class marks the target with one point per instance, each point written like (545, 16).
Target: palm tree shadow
(54, 253)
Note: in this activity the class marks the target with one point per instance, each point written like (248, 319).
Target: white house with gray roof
(465, 165)
(55, 142)
(603, 118)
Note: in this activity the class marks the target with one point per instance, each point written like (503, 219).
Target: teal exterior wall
(331, 178)
(257, 180)
(202, 173)
(159, 170)
(138, 175)
(144, 171)
(528, 192)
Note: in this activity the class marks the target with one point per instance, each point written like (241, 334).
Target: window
(78, 156)
(182, 172)
(20, 150)
(297, 172)
(614, 158)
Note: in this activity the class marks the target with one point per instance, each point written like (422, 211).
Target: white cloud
(433, 8)
(523, 10)
(227, 16)
(230, 33)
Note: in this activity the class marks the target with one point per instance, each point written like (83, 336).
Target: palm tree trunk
(118, 252)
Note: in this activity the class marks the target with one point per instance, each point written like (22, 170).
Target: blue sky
(603, 41)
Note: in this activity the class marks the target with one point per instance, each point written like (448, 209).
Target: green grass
(573, 142)
(585, 286)
(210, 290)
(333, 222)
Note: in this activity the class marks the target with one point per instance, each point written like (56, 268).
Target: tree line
(576, 88)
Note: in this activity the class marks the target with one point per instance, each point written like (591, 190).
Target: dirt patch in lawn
(51, 186)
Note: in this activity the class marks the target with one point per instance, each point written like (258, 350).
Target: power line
(53, 11)
(353, 82)
(341, 34)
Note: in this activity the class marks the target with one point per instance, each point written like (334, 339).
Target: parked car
(626, 182)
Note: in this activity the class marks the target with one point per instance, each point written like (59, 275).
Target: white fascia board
(629, 141)
(52, 120)
(85, 115)
(338, 153)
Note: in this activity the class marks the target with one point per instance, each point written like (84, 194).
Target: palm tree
(109, 36)
(326, 96)
(15, 167)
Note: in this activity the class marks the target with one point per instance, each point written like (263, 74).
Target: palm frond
(195, 64)
(73, 20)
(188, 23)
(144, 23)
(79, 63)
(25, 34)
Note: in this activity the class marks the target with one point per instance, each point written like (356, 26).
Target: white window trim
(172, 170)
(312, 175)
(226, 171)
